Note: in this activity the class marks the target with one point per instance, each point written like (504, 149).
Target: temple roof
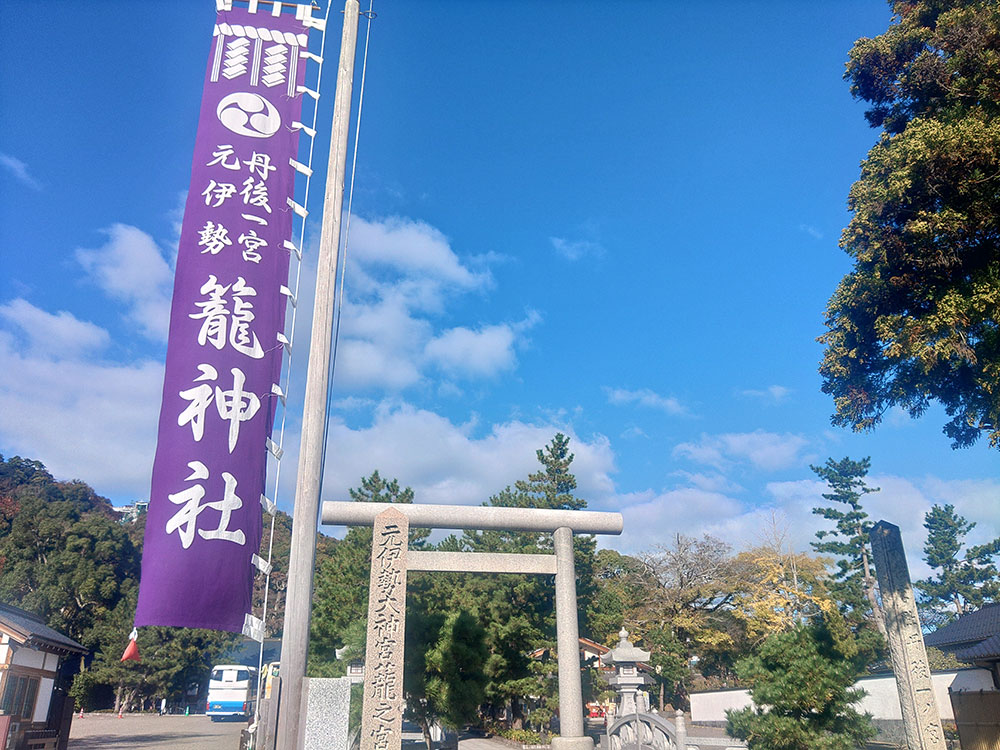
(984, 650)
(29, 629)
(969, 628)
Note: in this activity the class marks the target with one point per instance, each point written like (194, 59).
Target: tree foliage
(853, 583)
(444, 677)
(916, 320)
(66, 555)
(962, 582)
(277, 585)
(684, 608)
(778, 590)
(63, 554)
(801, 684)
(517, 611)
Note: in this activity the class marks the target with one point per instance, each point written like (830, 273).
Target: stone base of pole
(572, 743)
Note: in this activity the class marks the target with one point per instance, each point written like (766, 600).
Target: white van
(232, 690)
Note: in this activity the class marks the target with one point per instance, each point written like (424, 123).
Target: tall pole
(295, 639)
(571, 736)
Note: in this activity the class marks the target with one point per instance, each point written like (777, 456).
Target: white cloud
(413, 248)
(130, 269)
(647, 398)
(811, 231)
(93, 421)
(773, 393)
(768, 451)
(402, 275)
(19, 170)
(59, 336)
(449, 463)
(712, 505)
(710, 482)
(367, 365)
(633, 432)
(576, 249)
(653, 518)
(463, 351)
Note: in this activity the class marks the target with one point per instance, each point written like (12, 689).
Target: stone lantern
(627, 680)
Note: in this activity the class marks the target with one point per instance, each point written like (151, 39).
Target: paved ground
(108, 732)
(482, 743)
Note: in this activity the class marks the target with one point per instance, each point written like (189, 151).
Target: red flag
(132, 650)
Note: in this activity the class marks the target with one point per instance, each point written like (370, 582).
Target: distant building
(132, 512)
(29, 660)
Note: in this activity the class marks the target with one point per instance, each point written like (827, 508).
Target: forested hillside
(68, 556)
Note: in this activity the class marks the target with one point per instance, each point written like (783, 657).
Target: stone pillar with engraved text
(382, 715)
(921, 720)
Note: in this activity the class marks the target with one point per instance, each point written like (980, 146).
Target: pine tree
(518, 612)
(444, 678)
(854, 581)
(801, 685)
(962, 582)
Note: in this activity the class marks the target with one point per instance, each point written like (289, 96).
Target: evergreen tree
(444, 678)
(277, 586)
(801, 684)
(63, 553)
(518, 612)
(962, 582)
(916, 320)
(853, 582)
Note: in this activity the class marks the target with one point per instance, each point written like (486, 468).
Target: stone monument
(921, 720)
(628, 681)
(382, 712)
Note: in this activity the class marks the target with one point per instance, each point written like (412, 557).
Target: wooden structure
(38, 715)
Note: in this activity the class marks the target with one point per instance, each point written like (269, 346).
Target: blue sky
(616, 220)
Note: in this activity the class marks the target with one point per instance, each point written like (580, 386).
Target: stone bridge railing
(654, 732)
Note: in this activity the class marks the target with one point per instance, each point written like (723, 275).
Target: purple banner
(224, 353)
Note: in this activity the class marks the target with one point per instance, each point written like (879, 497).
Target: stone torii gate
(383, 691)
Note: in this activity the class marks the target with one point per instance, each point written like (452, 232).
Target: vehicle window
(242, 675)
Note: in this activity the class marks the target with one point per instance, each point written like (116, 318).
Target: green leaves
(853, 585)
(961, 582)
(801, 687)
(917, 319)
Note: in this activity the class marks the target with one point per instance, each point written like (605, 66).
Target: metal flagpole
(295, 637)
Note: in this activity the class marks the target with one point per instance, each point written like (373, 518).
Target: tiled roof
(29, 628)
(969, 628)
(988, 649)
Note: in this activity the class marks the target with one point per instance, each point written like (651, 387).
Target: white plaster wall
(29, 657)
(52, 662)
(712, 706)
(882, 701)
(45, 686)
(4, 651)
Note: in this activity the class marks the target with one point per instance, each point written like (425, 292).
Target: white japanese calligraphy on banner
(226, 325)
